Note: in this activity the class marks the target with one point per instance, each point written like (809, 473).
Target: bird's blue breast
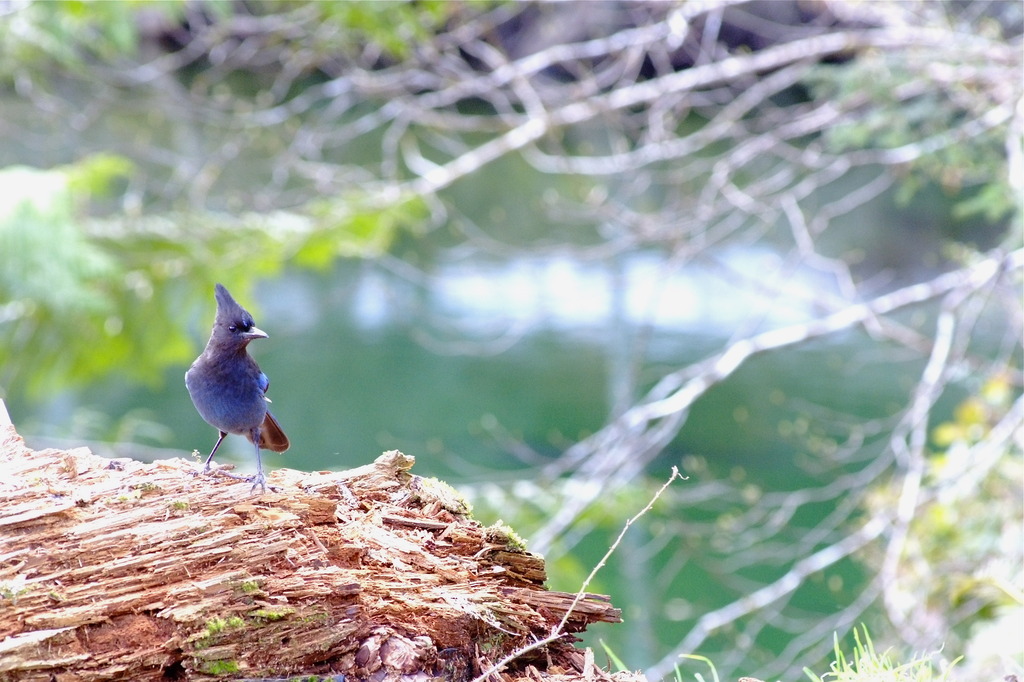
(228, 394)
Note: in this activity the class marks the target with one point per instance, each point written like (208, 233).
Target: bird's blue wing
(264, 382)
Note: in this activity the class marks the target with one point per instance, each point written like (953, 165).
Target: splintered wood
(116, 569)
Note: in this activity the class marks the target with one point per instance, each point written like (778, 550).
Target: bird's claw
(220, 470)
(259, 480)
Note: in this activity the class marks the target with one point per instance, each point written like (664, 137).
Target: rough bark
(118, 569)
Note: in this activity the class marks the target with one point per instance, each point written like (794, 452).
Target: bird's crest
(227, 306)
(232, 324)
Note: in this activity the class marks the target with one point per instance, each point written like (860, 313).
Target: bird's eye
(232, 328)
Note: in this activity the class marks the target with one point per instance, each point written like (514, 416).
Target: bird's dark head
(233, 325)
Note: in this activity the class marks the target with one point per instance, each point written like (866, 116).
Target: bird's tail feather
(272, 436)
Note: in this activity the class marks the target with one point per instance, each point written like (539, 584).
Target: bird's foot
(258, 480)
(219, 469)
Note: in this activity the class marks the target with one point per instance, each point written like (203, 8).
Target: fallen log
(123, 570)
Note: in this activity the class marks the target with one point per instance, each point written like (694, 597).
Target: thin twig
(558, 630)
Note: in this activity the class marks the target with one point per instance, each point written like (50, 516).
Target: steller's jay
(228, 388)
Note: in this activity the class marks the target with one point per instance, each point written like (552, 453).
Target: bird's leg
(206, 467)
(259, 479)
(209, 460)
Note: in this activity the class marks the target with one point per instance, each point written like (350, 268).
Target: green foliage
(896, 100)
(13, 588)
(251, 587)
(56, 282)
(867, 665)
(220, 667)
(216, 625)
(431, 490)
(89, 298)
(96, 175)
(271, 614)
(702, 659)
(394, 28)
(964, 554)
(616, 661)
(73, 34)
(355, 226)
(500, 533)
(968, 538)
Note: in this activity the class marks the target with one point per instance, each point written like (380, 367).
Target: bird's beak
(255, 333)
